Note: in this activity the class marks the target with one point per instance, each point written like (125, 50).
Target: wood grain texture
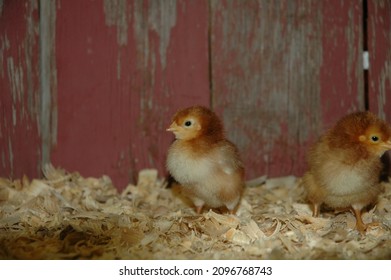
(48, 79)
(20, 150)
(124, 67)
(341, 75)
(379, 73)
(281, 70)
(112, 73)
(379, 47)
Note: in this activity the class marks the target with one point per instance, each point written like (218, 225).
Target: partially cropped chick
(206, 164)
(344, 165)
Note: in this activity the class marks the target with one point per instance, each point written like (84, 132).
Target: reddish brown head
(196, 121)
(362, 130)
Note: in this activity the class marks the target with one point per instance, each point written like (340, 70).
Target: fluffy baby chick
(206, 164)
(345, 166)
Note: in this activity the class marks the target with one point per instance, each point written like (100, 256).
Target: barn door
(283, 71)
(91, 85)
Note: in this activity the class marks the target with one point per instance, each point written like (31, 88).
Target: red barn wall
(91, 86)
(123, 68)
(379, 56)
(379, 48)
(20, 141)
(283, 71)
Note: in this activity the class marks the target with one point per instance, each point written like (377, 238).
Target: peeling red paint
(115, 124)
(266, 60)
(19, 85)
(379, 73)
(341, 74)
(379, 47)
(278, 73)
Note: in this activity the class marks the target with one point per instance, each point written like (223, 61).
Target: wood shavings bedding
(66, 216)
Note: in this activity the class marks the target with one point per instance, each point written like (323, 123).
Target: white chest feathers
(344, 180)
(189, 168)
(186, 168)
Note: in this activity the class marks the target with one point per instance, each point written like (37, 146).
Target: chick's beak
(387, 145)
(173, 127)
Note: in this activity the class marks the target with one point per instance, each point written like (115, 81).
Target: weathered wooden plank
(342, 74)
(379, 47)
(282, 71)
(172, 37)
(91, 123)
(48, 78)
(124, 67)
(379, 72)
(19, 89)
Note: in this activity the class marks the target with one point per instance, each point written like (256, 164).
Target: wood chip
(66, 216)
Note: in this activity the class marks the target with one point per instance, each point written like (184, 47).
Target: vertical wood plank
(124, 67)
(48, 77)
(379, 73)
(379, 47)
(283, 71)
(19, 89)
(342, 73)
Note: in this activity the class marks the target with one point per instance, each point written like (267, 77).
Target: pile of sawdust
(66, 216)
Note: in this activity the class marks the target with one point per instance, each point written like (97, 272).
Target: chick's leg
(232, 211)
(199, 209)
(360, 226)
(199, 204)
(232, 206)
(315, 209)
(315, 194)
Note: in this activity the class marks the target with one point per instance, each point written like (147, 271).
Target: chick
(344, 165)
(203, 161)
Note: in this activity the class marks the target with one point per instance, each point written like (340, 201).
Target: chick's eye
(375, 138)
(188, 123)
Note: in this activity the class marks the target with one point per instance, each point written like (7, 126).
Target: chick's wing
(227, 158)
